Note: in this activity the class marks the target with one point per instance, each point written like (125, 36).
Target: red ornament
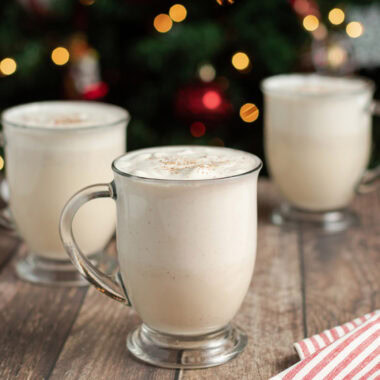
(203, 101)
(95, 91)
(83, 78)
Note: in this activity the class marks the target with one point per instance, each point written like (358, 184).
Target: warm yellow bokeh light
(1, 163)
(336, 56)
(207, 73)
(336, 16)
(240, 60)
(8, 66)
(354, 29)
(310, 23)
(60, 56)
(162, 23)
(249, 112)
(177, 12)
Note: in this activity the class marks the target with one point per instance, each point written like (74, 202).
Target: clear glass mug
(186, 252)
(317, 146)
(45, 164)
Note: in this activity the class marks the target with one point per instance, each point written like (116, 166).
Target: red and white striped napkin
(347, 352)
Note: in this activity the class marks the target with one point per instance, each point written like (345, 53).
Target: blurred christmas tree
(187, 73)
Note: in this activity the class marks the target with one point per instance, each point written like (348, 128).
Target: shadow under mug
(317, 145)
(186, 251)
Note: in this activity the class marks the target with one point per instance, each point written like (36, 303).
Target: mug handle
(102, 282)
(368, 181)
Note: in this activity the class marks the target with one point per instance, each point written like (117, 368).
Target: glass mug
(317, 146)
(52, 149)
(186, 251)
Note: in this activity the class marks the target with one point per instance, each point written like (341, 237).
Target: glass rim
(185, 181)
(124, 116)
(368, 85)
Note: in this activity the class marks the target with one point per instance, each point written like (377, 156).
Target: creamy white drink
(52, 150)
(186, 242)
(186, 234)
(317, 138)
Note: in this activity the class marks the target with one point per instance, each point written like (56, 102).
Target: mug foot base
(43, 271)
(170, 351)
(330, 221)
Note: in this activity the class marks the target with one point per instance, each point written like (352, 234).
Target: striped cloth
(347, 352)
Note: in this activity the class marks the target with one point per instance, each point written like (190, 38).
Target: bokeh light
(301, 6)
(310, 23)
(249, 112)
(207, 73)
(197, 129)
(354, 29)
(177, 12)
(1, 163)
(162, 23)
(223, 2)
(336, 56)
(8, 66)
(211, 99)
(336, 16)
(60, 56)
(240, 60)
(320, 33)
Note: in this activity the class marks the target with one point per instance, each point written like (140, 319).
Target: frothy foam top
(64, 114)
(186, 163)
(312, 84)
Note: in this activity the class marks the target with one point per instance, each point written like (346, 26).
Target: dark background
(117, 56)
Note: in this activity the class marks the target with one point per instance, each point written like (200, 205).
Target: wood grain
(34, 324)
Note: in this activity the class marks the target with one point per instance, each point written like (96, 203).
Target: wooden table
(304, 282)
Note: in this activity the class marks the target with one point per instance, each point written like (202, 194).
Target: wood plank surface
(34, 324)
(96, 347)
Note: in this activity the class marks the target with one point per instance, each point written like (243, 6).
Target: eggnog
(52, 150)
(317, 138)
(186, 234)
